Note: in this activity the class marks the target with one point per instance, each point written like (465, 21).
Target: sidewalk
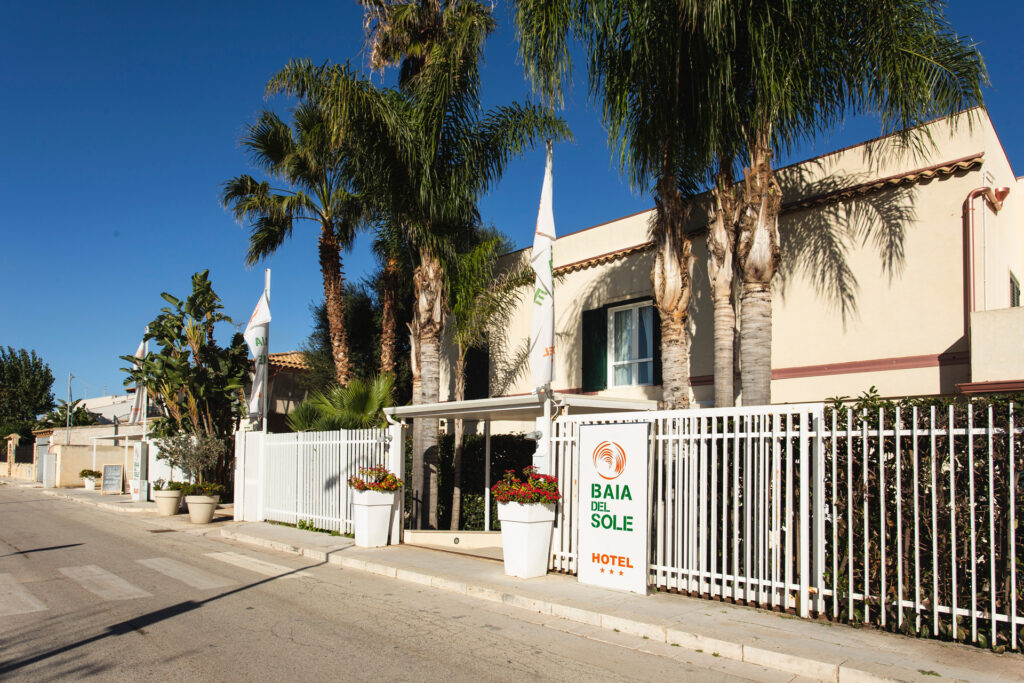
(818, 650)
(115, 502)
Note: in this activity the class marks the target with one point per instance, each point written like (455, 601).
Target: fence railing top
(651, 415)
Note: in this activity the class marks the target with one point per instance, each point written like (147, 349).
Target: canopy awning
(526, 407)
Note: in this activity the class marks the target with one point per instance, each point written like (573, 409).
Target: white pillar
(261, 475)
(542, 455)
(396, 463)
(240, 476)
(487, 475)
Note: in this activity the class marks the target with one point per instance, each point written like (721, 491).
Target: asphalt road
(90, 593)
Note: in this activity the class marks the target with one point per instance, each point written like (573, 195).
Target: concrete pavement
(817, 650)
(85, 592)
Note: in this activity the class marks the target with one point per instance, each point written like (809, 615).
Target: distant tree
(361, 313)
(58, 417)
(26, 385)
(364, 310)
(197, 382)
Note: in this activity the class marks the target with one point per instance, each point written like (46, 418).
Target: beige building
(888, 279)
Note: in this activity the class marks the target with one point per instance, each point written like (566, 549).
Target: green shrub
(90, 474)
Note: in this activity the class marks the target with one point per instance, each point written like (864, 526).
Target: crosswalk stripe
(15, 599)
(254, 565)
(184, 573)
(102, 583)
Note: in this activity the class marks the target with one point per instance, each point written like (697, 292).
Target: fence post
(239, 476)
(805, 511)
(818, 494)
(300, 479)
(396, 463)
(261, 475)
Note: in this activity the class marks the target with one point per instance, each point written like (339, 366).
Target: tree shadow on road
(138, 624)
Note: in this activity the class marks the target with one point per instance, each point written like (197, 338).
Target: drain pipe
(995, 199)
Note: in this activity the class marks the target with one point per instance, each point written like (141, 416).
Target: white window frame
(612, 363)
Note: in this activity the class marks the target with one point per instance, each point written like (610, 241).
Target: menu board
(113, 476)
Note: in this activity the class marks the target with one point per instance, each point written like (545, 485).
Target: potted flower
(526, 508)
(373, 501)
(167, 497)
(89, 477)
(202, 500)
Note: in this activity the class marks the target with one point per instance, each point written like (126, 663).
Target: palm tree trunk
(757, 249)
(672, 282)
(417, 426)
(388, 334)
(334, 302)
(721, 244)
(428, 283)
(460, 430)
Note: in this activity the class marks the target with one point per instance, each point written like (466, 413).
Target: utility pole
(67, 431)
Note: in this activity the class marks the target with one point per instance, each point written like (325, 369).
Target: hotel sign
(613, 505)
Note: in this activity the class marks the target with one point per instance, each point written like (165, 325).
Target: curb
(830, 671)
(104, 506)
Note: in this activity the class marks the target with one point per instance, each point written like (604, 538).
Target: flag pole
(145, 391)
(266, 355)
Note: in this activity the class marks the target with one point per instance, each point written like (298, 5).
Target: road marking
(184, 573)
(15, 599)
(254, 565)
(102, 583)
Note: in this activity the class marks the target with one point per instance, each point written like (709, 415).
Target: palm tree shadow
(139, 623)
(818, 232)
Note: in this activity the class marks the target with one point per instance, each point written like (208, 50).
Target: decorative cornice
(943, 170)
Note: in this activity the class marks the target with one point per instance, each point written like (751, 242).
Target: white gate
(303, 477)
(735, 502)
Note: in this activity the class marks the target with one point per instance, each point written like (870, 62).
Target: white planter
(167, 502)
(90, 484)
(200, 508)
(526, 537)
(371, 516)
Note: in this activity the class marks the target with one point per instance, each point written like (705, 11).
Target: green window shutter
(657, 346)
(595, 349)
(477, 378)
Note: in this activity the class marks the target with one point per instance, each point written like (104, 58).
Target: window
(1014, 292)
(631, 344)
(601, 366)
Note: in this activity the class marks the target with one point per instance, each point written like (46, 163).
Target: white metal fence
(921, 527)
(901, 518)
(303, 477)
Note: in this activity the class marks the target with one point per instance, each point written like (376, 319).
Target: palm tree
(481, 300)
(644, 81)
(426, 154)
(796, 69)
(58, 417)
(721, 243)
(357, 405)
(315, 173)
(741, 80)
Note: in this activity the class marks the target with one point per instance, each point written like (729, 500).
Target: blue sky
(121, 119)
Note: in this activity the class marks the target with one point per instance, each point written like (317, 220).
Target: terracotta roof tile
(292, 360)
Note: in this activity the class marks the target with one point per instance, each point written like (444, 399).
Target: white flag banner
(135, 417)
(542, 335)
(256, 333)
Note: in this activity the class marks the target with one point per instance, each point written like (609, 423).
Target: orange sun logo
(609, 459)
